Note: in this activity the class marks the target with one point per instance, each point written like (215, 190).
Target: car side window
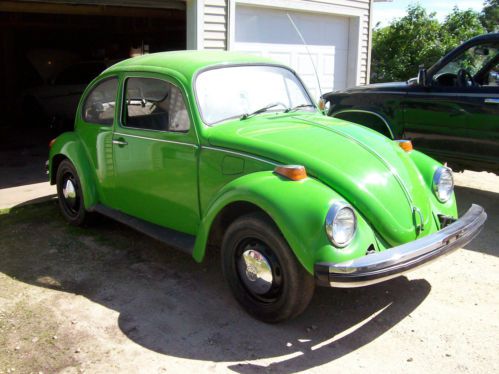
(154, 104)
(492, 78)
(100, 103)
(473, 60)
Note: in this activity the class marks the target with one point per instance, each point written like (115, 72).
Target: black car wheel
(70, 194)
(262, 271)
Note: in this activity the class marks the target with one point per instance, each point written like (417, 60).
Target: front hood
(370, 171)
(385, 87)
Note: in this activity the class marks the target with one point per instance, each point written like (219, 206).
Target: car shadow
(171, 305)
(486, 241)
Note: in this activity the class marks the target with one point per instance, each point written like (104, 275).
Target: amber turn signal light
(293, 172)
(51, 143)
(406, 145)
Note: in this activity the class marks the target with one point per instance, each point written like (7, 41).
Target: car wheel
(262, 270)
(70, 194)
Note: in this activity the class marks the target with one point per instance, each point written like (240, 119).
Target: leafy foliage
(490, 15)
(419, 39)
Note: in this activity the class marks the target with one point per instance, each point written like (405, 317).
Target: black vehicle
(450, 111)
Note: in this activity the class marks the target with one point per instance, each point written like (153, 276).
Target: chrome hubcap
(255, 271)
(69, 192)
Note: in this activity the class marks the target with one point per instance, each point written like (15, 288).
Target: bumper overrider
(393, 262)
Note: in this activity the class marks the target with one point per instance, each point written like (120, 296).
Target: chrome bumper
(393, 262)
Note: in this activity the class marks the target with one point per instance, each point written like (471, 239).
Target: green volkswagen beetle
(197, 148)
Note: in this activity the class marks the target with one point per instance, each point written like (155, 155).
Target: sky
(386, 12)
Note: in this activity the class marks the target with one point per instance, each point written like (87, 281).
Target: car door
(155, 154)
(94, 125)
(455, 118)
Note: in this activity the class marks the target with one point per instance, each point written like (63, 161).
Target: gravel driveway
(106, 299)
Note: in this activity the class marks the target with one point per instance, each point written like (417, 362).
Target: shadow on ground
(169, 304)
(486, 241)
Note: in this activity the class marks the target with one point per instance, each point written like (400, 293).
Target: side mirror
(422, 77)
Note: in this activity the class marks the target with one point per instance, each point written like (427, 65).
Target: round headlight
(443, 183)
(341, 224)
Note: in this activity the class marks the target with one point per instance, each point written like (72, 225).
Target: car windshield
(240, 91)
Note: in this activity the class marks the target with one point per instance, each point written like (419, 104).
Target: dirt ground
(106, 299)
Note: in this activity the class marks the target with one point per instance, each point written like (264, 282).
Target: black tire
(72, 208)
(291, 287)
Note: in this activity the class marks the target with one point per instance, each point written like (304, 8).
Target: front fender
(69, 145)
(298, 209)
(427, 167)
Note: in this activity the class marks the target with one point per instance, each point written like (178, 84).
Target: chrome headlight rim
(332, 214)
(436, 181)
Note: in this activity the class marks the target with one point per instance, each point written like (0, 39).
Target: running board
(172, 238)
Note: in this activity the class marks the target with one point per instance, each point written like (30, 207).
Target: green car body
(197, 182)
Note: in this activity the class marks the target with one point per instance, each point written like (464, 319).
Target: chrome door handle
(491, 101)
(119, 142)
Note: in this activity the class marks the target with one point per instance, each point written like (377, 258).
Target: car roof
(186, 63)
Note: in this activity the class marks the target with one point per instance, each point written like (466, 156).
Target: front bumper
(393, 262)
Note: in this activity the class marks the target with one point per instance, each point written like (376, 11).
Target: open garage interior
(50, 51)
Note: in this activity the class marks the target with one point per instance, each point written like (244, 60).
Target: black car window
(154, 104)
(100, 103)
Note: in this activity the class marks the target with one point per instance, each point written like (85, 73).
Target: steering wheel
(465, 79)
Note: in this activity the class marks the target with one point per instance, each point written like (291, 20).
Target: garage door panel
(269, 32)
(261, 25)
(330, 67)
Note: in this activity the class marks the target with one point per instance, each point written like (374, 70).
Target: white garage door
(269, 32)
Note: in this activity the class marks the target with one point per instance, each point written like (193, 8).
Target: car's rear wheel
(262, 271)
(70, 194)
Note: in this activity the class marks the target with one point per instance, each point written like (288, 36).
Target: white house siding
(215, 24)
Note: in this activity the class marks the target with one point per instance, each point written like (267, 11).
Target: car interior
(154, 104)
(476, 67)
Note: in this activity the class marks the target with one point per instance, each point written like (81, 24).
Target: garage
(51, 50)
(330, 43)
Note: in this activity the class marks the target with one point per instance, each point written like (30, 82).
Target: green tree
(419, 39)
(398, 49)
(459, 26)
(490, 15)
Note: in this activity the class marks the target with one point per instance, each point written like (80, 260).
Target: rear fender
(68, 145)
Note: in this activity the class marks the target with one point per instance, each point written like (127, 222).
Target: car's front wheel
(262, 271)
(70, 194)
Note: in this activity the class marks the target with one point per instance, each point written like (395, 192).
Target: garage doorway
(51, 50)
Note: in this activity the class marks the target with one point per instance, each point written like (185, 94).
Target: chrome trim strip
(385, 92)
(157, 140)
(391, 263)
(457, 94)
(240, 154)
(368, 112)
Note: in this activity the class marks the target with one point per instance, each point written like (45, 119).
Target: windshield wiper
(261, 110)
(298, 107)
